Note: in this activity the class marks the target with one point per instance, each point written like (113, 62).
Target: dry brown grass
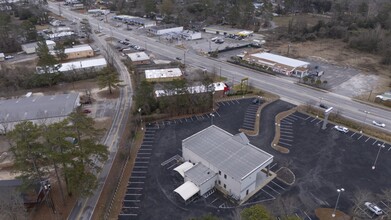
(325, 214)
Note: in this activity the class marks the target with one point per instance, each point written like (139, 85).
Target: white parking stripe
(353, 134)
(374, 142)
(135, 188)
(286, 139)
(130, 214)
(359, 137)
(313, 119)
(286, 132)
(131, 200)
(283, 135)
(218, 114)
(367, 139)
(284, 143)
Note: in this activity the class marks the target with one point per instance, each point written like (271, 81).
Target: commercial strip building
(36, 108)
(139, 58)
(279, 64)
(218, 89)
(165, 29)
(227, 31)
(135, 20)
(217, 159)
(30, 48)
(81, 51)
(83, 65)
(190, 35)
(163, 75)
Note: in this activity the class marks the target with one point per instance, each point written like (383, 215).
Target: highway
(286, 89)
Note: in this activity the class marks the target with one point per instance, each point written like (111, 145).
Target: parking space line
(214, 201)
(286, 125)
(135, 183)
(307, 118)
(248, 119)
(273, 189)
(288, 119)
(298, 117)
(145, 149)
(319, 122)
(222, 103)
(172, 166)
(143, 158)
(284, 135)
(138, 177)
(313, 119)
(218, 113)
(131, 207)
(287, 132)
(367, 139)
(133, 194)
(129, 214)
(248, 128)
(278, 185)
(135, 188)
(284, 143)
(288, 128)
(284, 122)
(144, 153)
(353, 134)
(374, 142)
(286, 139)
(360, 137)
(136, 171)
(131, 200)
(141, 167)
(141, 162)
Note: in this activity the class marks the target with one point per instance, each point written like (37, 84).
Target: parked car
(126, 39)
(374, 208)
(178, 58)
(323, 106)
(8, 57)
(341, 128)
(255, 101)
(380, 124)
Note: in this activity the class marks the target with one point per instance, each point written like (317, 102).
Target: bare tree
(11, 205)
(359, 198)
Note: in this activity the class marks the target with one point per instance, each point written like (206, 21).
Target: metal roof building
(228, 160)
(88, 64)
(160, 75)
(50, 108)
(139, 58)
(30, 48)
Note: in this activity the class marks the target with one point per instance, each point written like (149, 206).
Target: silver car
(374, 208)
(377, 123)
(341, 128)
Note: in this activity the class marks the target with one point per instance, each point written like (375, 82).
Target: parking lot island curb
(276, 139)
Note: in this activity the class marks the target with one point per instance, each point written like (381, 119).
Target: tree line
(69, 149)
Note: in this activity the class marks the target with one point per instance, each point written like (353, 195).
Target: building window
(219, 182)
(219, 172)
(246, 192)
(225, 186)
(225, 176)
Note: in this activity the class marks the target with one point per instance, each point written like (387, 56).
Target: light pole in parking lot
(336, 204)
(211, 117)
(377, 155)
(365, 119)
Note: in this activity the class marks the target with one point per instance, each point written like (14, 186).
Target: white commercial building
(191, 35)
(280, 64)
(83, 65)
(135, 20)
(36, 108)
(139, 58)
(161, 75)
(60, 35)
(223, 161)
(165, 29)
(217, 88)
(30, 48)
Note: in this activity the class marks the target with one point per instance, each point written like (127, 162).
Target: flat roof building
(139, 58)
(83, 65)
(36, 108)
(80, 51)
(280, 64)
(163, 75)
(191, 35)
(165, 29)
(135, 20)
(30, 48)
(226, 162)
(219, 88)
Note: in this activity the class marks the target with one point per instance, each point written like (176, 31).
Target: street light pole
(211, 117)
(377, 155)
(336, 204)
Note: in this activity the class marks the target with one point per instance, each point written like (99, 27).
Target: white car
(341, 128)
(377, 123)
(374, 208)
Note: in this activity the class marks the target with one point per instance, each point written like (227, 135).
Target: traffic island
(276, 139)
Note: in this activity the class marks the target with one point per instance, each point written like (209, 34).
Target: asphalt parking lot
(322, 161)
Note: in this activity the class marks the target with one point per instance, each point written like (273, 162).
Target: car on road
(178, 58)
(8, 57)
(380, 124)
(323, 106)
(374, 208)
(126, 39)
(341, 128)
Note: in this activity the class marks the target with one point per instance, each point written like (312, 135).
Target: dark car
(178, 58)
(255, 101)
(323, 106)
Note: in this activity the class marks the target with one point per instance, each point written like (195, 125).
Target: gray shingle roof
(37, 107)
(227, 153)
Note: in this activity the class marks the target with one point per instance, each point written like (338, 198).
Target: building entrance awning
(187, 190)
(181, 169)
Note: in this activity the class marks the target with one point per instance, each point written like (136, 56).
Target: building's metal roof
(82, 64)
(228, 154)
(280, 59)
(78, 49)
(139, 56)
(199, 174)
(35, 44)
(37, 107)
(163, 73)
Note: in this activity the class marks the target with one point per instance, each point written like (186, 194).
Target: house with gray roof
(223, 161)
(36, 108)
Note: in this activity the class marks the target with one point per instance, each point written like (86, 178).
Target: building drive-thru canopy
(187, 190)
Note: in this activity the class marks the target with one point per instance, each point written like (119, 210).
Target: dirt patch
(105, 94)
(285, 175)
(326, 214)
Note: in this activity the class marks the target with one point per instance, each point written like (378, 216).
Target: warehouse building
(223, 161)
(30, 48)
(219, 89)
(135, 20)
(163, 75)
(165, 29)
(36, 108)
(139, 58)
(279, 64)
(191, 35)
